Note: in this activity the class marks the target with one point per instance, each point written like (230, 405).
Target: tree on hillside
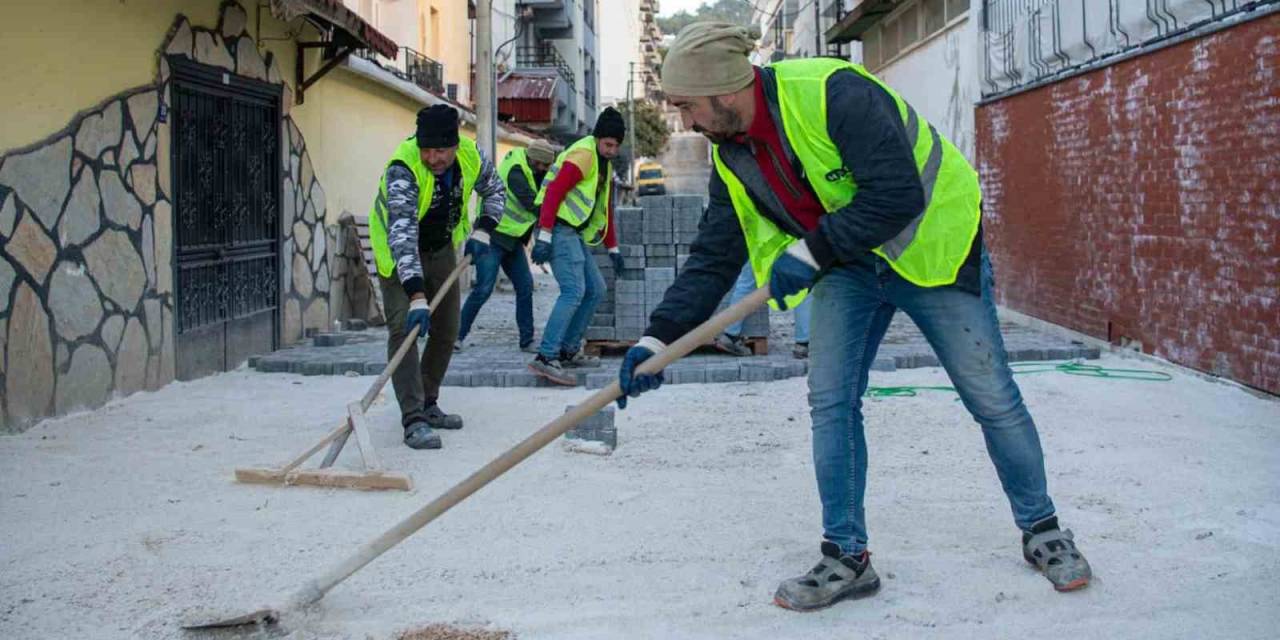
(651, 129)
(735, 11)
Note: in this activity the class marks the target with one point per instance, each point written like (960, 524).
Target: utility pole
(631, 114)
(486, 123)
(817, 29)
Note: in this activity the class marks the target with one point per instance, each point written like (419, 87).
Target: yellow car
(650, 181)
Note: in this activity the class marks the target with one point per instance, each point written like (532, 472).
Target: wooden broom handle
(702, 334)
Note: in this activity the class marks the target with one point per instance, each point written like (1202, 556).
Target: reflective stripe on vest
(515, 218)
(931, 249)
(408, 154)
(580, 204)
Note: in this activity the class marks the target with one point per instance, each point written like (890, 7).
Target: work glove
(793, 272)
(618, 263)
(477, 245)
(419, 316)
(632, 384)
(542, 248)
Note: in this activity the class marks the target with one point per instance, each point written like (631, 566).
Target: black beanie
(610, 125)
(437, 127)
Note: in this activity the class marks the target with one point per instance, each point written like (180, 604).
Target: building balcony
(416, 68)
(552, 19)
(545, 56)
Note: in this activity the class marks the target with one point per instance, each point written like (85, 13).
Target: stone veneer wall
(86, 221)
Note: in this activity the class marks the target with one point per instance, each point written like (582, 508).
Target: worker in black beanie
(575, 211)
(415, 241)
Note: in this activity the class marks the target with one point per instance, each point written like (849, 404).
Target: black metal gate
(226, 186)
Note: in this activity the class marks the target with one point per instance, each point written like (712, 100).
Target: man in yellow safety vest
(828, 184)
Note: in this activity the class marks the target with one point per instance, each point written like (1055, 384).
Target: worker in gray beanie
(829, 185)
(522, 171)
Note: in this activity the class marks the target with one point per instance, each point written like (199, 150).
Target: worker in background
(577, 213)
(521, 171)
(420, 218)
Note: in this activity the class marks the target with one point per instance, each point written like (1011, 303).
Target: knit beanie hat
(540, 151)
(610, 125)
(437, 127)
(709, 59)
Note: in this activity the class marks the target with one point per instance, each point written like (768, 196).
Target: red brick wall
(1142, 202)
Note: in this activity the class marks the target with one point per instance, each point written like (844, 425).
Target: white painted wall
(619, 28)
(940, 78)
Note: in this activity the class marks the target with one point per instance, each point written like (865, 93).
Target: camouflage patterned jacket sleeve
(493, 195)
(402, 226)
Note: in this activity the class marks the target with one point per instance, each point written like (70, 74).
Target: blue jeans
(744, 285)
(581, 289)
(515, 264)
(852, 309)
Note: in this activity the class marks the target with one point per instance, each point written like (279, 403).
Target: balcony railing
(416, 68)
(545, 55)
(423, 71)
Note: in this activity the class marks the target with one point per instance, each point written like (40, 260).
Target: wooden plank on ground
(337, 478)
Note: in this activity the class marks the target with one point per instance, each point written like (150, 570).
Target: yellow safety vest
(515, 218)
(931, 249)
(409, 155)
(581, 204)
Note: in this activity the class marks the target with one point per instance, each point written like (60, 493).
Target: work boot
(438, 419)
(1053, 551)
(551, 370)
(733, 345)
(836, 577)
(529, 347)
(577, 360)
(800, 351)
(418, 435)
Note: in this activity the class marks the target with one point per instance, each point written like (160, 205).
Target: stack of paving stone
(654, 238)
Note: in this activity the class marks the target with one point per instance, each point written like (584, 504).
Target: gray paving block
(317, 368)
(600, 419)
(600, 333)
(686, 375)
(659, 250)
(374, 368)
(661, 262)
(273, 364)
(343, 366)
(601, 319)
(628, 333)
(723, 373)
(883, 364)
(756, 372)
(483, 379)
(600, 380)
(253, 361)
(520, 379)
(1057, 353)
(659, 274)
(456, 379)
(784, 369)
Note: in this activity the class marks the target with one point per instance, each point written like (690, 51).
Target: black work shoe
(419, 435)
(836, 577)
(438, 419)
(577, 360)
(733, 345)
(551, 370)
(1053, 551)
(800, 351)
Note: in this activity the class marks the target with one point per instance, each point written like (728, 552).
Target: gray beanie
(709, 59)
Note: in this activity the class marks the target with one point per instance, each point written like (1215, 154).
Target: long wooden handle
(376, 387)
(413, 335)
(702, 334)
